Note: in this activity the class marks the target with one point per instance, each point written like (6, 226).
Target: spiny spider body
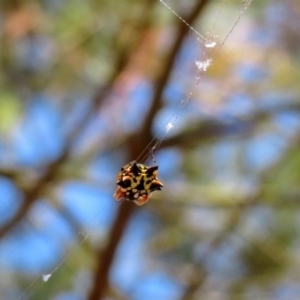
(136, 182)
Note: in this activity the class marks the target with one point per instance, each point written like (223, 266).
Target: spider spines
(135, 169)
(137, 181)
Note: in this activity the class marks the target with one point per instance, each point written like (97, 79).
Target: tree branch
(31, 195)
(136, 145)
(182, 30)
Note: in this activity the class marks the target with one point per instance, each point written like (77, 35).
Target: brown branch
(206, 131)
(136, 145)
(105, 258)
(211, 129)
(183, 30)
(31, 195)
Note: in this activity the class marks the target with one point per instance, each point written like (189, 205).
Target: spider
(136, 182)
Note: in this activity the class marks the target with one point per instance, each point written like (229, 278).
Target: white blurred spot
(210, 44)
(169, 127)
(203, 65)
(46, 277)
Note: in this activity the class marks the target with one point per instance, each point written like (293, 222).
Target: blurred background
(86, 85)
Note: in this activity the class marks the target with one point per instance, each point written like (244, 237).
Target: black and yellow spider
(136, 182)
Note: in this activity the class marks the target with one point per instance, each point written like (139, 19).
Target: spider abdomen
(136, 182)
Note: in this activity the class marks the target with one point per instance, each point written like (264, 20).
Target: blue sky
(39, 243)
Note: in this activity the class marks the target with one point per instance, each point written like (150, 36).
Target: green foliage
(236, 142)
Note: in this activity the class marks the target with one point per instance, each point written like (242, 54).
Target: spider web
(211, 47)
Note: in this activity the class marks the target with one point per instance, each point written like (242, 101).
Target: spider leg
(119, 194)
(142, 200)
